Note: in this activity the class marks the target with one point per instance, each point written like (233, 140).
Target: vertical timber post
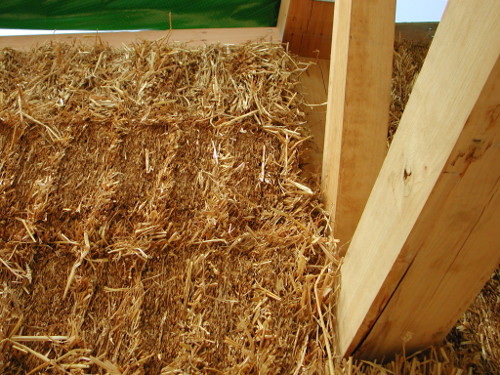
(428, 238)
(358, 107)
(282, 17)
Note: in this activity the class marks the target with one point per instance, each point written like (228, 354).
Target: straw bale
(406, 64)
(476, 336)
(154, 218)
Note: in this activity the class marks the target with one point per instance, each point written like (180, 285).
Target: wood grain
(358, 108)
(309, 28)
(283, 16)
(314, 88)
(427, 239)
(194, 37)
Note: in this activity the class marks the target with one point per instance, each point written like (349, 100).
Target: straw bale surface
(406, 64)
(476, 337)
(154, 218)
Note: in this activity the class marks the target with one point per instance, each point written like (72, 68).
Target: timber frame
(426, 241)
(419, 223)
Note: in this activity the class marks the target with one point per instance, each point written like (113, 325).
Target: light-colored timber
(428, 238)
(282, 16)
(194, 37)
(358, 108)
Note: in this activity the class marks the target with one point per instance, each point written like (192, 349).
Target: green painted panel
(136, 14)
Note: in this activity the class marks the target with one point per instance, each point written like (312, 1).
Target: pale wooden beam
(358, 107)
(192, 37)
(282, 17)
(428, 237)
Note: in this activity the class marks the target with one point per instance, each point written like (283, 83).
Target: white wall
(419, 10)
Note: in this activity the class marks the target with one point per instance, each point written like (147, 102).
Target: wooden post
(282, 17)
(308, 30)
(428, 238)
(358, 107)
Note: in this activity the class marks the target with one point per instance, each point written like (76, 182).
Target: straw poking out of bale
(406, 65)
(154, 219)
